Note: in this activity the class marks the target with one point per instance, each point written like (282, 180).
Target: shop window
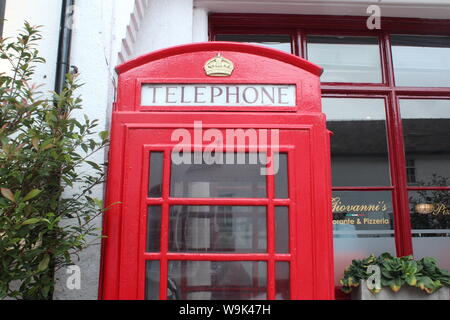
(363, 224)
(411, 172)
(275, 41)
(363, 219)
(421, 61)
(346, 59)
(390, 120)
(359, 143)
(426, 128)
(430, 220)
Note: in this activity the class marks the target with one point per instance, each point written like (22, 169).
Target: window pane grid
(392, 87)
(165, 258)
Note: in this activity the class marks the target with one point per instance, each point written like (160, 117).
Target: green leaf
(104, 135)
(411, 280)
(31, 221)
(32, 194)
(43, 265)
(396, 284)
(8, 194)
(36, 143)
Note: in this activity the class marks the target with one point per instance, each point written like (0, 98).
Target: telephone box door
(232, 230)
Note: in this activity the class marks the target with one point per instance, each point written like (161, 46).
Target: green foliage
(397, 272)
(46, 180)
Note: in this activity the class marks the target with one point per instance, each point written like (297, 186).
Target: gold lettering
(441, 209)
(339, 207)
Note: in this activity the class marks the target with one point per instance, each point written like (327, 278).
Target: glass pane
(282, 229)
(359, 153)
(281, 178)
(152, 280)
(346, 59)
(421, 61)
(282, 281)
(430, 221)
(363, 224)
(227, 229)
(154, 229)
(218, 280)
(192, 180)
(275, 41)
(156, 171)
(426, 127)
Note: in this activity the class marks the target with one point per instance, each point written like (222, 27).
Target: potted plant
(390, 278)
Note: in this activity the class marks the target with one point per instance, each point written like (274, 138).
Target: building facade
(385, 93)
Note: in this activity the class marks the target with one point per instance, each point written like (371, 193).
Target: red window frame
(298, 26)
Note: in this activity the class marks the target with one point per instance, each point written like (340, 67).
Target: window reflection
(154, 229)
(421, 61)
(218, 280)
(426, 127)
(346, 59)
(430, 220)
(275, 41)
(152, 280)
(282, 280)
(282, 229)
(359, 144)
(191, 180)
(218, 229)
(155, 172)
(281, 178)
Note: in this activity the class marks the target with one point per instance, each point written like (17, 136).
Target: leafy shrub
(397, 272)
(42, 150)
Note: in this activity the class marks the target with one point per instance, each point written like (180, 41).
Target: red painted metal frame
(137, 130)
(299, 26)
(278, 23)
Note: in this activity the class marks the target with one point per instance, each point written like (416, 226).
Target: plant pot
(405, 293)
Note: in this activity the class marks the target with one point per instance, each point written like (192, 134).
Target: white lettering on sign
(218, 95)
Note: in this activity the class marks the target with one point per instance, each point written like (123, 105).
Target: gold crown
(219, 67)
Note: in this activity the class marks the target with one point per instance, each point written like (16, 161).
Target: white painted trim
(432, 9)
(128, 43)
(200, 25)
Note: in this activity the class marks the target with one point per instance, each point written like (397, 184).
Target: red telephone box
(219, 173)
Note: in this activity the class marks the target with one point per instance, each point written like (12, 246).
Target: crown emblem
(219, 67)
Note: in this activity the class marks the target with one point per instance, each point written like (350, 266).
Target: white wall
(91, 53)
(42, 12)
(167, 23)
